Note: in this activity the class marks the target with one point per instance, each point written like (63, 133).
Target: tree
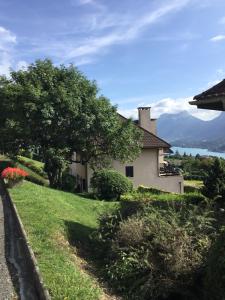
(58, 111)
(214, 183)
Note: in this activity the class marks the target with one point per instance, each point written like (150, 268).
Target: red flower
(13, 173)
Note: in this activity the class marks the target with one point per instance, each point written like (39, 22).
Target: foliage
(144, 189)
(153, 252)
(34, 165)
(13, 176)
(190, 189)
(32, 175)
(194, 168)
(110, 184)
(192, 186)
(68, 182)
(55, 164)
(214, 281)
(57, 110)
(5, 163)
(54, 221)
(214, 183)
(155, 198)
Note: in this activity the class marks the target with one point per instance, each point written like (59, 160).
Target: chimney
(145, 121)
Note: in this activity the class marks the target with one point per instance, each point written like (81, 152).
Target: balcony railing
(169, 171)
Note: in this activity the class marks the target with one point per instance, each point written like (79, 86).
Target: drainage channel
(19, 264)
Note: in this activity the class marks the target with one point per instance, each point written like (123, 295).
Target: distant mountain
(183, 129)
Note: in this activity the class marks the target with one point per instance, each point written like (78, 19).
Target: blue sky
(156, 52)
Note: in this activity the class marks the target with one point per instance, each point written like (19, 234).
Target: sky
(157, 53)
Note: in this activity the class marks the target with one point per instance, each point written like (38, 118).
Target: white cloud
(218, 38)
(7, 43)
(21, 65)
(83, 2)
(172, 106)
(125, 28)
(6, 38)
(94, 3)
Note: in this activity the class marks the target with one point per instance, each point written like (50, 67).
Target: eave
(214, 103)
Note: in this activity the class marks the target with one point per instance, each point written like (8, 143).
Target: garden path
(6, 284)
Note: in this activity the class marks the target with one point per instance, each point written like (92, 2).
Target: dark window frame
(129, 171)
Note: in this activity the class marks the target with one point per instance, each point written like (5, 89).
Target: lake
(194, 151)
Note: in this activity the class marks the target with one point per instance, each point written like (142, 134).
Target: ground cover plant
(55, 220)
(163, 248)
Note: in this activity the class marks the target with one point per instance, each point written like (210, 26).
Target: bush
(109, 184)
(35, 166)
(153, 252)
(191, 189)
(152, 190)
(214, 282)
(214, 183)
(6, 163)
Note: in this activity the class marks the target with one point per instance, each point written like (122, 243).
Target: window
(129, 171)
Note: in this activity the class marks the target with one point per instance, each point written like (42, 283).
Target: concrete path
(6, 284)
(16, 274)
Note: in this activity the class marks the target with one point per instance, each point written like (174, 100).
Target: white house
(149, 169)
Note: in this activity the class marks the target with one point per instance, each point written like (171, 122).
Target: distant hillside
(183, 129)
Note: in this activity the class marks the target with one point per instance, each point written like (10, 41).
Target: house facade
(149, 169)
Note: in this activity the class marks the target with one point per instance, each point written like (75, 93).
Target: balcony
(169, 170)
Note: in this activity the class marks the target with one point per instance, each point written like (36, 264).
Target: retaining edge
(38, 280)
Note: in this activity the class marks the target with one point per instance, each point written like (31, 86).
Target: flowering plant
(13, 175)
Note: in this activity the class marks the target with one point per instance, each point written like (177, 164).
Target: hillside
(185, 130)
(55, 222)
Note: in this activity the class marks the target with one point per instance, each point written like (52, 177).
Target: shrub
(155, 252)
(214, 281)
(152, 190)
(214, 183)
(5, 164)
(109, 184)
(35, 166)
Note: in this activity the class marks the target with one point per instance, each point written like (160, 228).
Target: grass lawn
(194, 183)
(53, 221)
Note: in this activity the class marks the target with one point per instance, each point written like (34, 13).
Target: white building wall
(146, 172)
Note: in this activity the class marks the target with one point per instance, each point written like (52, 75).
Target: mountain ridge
(183, 129)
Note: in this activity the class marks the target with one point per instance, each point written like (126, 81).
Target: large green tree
(58, 111)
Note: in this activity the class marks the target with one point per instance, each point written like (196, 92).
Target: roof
(213, 98)
(215, 91)
(150, 140)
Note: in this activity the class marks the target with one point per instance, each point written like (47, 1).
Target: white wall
(146, 172)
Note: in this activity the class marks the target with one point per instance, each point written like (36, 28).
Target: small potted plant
(13, 176)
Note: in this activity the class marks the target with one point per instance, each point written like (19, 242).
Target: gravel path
(6, 284)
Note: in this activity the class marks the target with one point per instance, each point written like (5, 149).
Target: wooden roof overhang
(216, 103)
(213, 98)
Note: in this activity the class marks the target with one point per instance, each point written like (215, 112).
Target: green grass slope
(52, 219)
